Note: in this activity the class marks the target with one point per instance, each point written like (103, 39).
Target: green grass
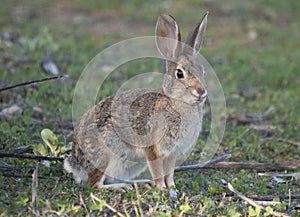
(253, 47)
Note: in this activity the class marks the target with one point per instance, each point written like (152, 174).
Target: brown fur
(94, 177)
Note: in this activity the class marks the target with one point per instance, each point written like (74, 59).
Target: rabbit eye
(179, 74)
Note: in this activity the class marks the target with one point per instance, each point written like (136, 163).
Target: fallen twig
(31, 82)
(267, 203)
(82, 203)
(215, 164)
(32, 157)
(138, 196)
(9, 167)
(8, 170)
(34, 192)
(218, 163)
(254, 166)
(8, 175)
(203, 164)
(253, 197)
(295, 176)
(18, 150)
(107, 205)
(280, 196)
(254, 203)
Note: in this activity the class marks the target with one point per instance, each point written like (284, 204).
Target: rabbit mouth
(203, 96)
(199, 98)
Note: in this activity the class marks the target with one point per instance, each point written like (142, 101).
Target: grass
(253, 47)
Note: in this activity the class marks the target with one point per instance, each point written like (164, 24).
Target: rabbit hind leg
(126, 185)
(169, 166)
(97, 179)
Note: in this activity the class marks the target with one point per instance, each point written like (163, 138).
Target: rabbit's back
(128, 122)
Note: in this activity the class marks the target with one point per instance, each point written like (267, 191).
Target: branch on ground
(254, 203)
(31, 82)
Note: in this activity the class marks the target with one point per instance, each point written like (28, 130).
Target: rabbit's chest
(190, 128)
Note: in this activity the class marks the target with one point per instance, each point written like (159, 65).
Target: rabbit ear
(196, 36)
(167, 36)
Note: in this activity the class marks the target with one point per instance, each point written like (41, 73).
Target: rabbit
(124, 134)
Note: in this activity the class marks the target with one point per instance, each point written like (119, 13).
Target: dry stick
(34, 191)
(8, 170)
(138, 196)
(203, 164)
(26, 176)
(18, 150)
(264, 198)
(252, 202)
(32, 82)
(32, 157)
(267, 202)
(295, 176)
(254, 166)
(218, 163)
(9, 167)
(107, 205)
(82, 203)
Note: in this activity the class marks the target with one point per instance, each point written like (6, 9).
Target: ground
(254, 49)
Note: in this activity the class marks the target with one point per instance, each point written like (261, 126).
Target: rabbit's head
(184, 78)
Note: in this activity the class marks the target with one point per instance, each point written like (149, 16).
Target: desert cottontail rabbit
(120, 136)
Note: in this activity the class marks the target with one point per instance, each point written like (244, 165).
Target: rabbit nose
(204, 94)
(201, 92)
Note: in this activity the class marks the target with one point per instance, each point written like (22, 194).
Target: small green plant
(269, 211)
(52, 146)
(254, 212)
